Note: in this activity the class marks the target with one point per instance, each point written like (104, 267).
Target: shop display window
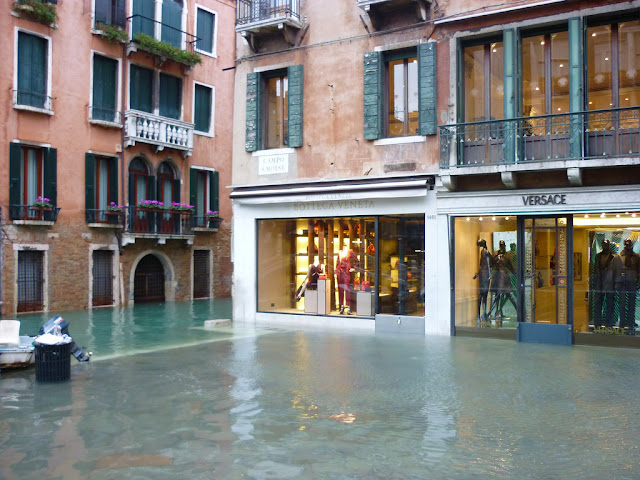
(342, 266)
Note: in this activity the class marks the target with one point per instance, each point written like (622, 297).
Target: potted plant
(151, 205)
(113, 208)
(112, 33)
(213, 219)
(181, 207)
(36, 10)
(164, 51)
(42, 203)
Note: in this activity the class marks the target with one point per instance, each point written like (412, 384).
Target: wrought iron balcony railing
(31, 100)
(206, 223)
(104, 217)
(142, 220)
(250, 12)
(159, 131)
(570, 136)
(108, 115)
(32, 213)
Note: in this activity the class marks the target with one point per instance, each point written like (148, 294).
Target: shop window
(110, 12)
(203, 109)
(105, 87)
(206, 27)
(101, 187)
(102, 273)
(203, 194)
(339, 266)
(32, 175)
(274, 109)
(33, 79)
(485, 272)
(400, 92)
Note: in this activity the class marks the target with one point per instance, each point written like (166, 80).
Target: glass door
(545, 288)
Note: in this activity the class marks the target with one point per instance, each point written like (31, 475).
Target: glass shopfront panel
(342, 266)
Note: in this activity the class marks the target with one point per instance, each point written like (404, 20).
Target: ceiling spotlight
(633, 215)
(506, 218)
(493, 218)
(480, 218)
(617, 215)
(468, 218)
(586, 215)
(603, 216)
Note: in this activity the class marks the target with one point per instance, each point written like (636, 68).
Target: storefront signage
(334, 205)
(268, 165)
(544, 199)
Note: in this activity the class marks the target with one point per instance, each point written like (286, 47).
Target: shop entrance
(545, 286)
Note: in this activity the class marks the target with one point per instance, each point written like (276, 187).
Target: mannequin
(484, 274)
(345, 272)
(626, 274)
(603, 286)
(310, 282)
(501, 281)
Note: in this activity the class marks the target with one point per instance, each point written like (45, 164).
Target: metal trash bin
(53, 362)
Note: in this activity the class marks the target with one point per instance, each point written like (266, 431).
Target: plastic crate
(53, 362)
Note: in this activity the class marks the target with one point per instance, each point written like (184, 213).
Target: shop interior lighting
(506, 218)
(493, 218)
(630, 222)
(603, 216)
(480, 218)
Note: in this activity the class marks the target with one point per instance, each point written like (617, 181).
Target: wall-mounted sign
(270, 164)
(544, 200)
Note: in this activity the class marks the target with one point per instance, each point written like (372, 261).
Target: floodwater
(163, 398)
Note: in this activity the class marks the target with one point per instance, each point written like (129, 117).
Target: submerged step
(223, 322)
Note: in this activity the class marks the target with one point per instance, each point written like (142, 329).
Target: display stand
(311, 301)
(323, 297)
(364, 304)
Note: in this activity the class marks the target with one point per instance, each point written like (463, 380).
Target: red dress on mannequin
(346, 264)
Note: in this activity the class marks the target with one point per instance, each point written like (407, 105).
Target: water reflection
(274, 404)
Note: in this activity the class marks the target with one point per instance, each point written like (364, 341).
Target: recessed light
(493, 218)
(506, 218)
(603, 216)
(593, 34)
(633, 215)
(468, 219)
(586, 215)
(480, 218)
(606, 59)
(561, 65)
(617, 215)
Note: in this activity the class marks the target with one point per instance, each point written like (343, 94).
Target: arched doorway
(149, 280)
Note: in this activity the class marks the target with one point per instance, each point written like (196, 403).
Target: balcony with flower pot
(41, 11)
(152, 219)
(209, 222)
(110, 217)
(256, 19)
(40, 212)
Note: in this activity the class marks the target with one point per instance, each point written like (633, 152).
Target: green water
(245, 403)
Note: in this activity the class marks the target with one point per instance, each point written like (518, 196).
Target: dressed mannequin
(310, 282)
(501, 281)
(346, 266)
(603, 286)
(484, 274)
(626, 274)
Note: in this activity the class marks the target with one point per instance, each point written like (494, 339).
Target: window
(145, 85)
(30, 281)
(32, 174)
(141, 185)
(101, 186)
(33, 75)
(203, 193)
(169, 29)
(482, 82)
(110, 12)
(201, 274)
(276, 132)
(400, 92)
(203, 109)
(102, 273)
(105, 85)
(206, 23)
(274, 109)
(402, 97)
(168, 184)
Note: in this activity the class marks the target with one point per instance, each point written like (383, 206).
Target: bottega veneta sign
(544, 199)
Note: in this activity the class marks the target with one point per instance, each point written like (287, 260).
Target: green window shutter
(172, 22)
(176, 190)
(170, 96)
(253, 139)
(509, 40)
(144, 23)
(427, 91)
(89, 184)
(132, 189)
(14, 179)
(214, 191)
(32, 70)
(205, 31)
(295, 78)
(151, 194)
(121, 14)
(576, 85)
(51, 175)
(104, 88)
(141, 88)
(202, 116)
(193, 186)
(373, 81)
(113, 180)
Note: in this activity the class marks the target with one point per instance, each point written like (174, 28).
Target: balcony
(104, 218)
(379, 10)
(160, 225)
(259, 18)
(31, 215)
(206, 224)
(158, 131)
(573, 140)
